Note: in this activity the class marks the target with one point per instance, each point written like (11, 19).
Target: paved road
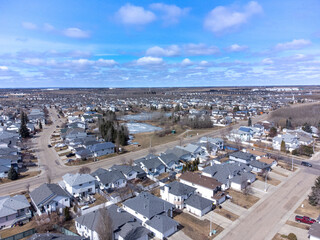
(52, 166)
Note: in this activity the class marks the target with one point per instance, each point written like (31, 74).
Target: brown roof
(201, 180)
(267, 160)
(256, 152)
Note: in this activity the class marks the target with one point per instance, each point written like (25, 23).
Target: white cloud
(106, 62)
(29, 25)
(267, 61)
(157, 51)
(223, 18)
(236, 48)
(134, 15)
(34, 61)
(172, 13)
(204, 63)
(149, 61)
(75, 33)
(294, 44)
(186, 62)
(3, 68)
(200, 49)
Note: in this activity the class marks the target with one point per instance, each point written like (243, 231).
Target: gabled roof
(76, 179)
(169, 157)
(148, 205)
(162, 223)
(101, 146)
(180, 189)
(46, 193)
(201, 180)
(152, 163)
(10, 205)
(198, 202)
(106, 177)
(118, 216)
(243, 155)
(133, 231)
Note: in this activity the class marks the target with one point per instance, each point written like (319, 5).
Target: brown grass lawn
(280, 173)
(307, 210)
(271, 181)
(287, 166)
(70, 225)
(225, 213)
(99, 200)
(298, 225)
(23, 175)
(17, 229)
(196, 228)
(156, 192)
(245, 201)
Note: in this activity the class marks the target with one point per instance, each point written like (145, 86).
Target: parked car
(305, 219)
(49, 146)
(70, 155)
(303, 163)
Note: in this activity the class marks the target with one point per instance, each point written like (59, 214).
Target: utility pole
(292, 163)
(265, 182)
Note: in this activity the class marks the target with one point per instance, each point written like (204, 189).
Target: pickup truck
(305, 219)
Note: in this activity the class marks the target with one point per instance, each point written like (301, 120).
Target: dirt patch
(245, 201)
(298, 225)
(272, 181)
(196, 228)
(225, 213)
(307, 210)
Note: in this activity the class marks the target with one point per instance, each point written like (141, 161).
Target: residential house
(145, 206)
(241, 157)
(243, 134)
(291, 142)
(176, 193)
(79, 185)
(198, 205)
(314, 231)
(14, 210)
(133, 230)
(152, 165)
(205, 186)
(216, 141)
(162, 226)
(130, 172)
(49, 198)
(109, 179)
(88, 224)
(228, 174)
(101, 149)
(171, 161)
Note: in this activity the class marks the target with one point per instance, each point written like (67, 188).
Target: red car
(305, 219)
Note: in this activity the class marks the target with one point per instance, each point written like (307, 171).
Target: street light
(265, 181)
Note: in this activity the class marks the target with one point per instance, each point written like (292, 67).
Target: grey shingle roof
(55, 236)
(168, 158)
(119, 218)
(107, 177)
(180, 189)
(132, 231)
(46, 193)
(10, 205)
(162, 223)
(76, 179)
(148, 205)
(101, 146)
(198, 202)
(243, 155)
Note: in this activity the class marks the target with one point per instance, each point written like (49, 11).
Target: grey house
(109, 179)
(242, 157)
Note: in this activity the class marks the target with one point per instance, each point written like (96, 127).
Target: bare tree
(49, 178)
(130, 162)
(28, 187)
(105, 226)
(84, 170)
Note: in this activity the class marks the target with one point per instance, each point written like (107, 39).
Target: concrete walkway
(234, 208)
(302, 234)
(217, 219)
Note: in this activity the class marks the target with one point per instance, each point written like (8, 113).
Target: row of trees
(112, 131)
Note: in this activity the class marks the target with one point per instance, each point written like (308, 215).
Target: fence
(21, 235)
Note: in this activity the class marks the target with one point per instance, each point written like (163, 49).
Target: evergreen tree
(283, 146)
(40, 125)
(12, 174)
(24, 131)
(66, 213)
(307, 128)
(249, 122)
(314, 197)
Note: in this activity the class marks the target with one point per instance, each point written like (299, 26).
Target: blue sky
(97, 43)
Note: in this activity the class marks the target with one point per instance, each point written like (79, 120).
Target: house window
(89, 190)
(66, 199)
(56, 204)
(80, 185)
(6, 218)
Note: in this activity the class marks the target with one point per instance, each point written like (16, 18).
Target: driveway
(234, 208)
(178, 236)
(217, 219)
(279, 177)
(302, 234)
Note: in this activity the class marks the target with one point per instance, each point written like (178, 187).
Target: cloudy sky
(81, 43)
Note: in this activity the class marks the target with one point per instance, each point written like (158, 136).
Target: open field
(195, 228)
(245, 201)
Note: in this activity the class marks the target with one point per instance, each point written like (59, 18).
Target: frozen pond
(143, 116)
(141, 128)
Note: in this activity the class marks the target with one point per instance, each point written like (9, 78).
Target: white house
(49, 198)
(109, 179)
(79, 185)
(198, 205)
(176, 193)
